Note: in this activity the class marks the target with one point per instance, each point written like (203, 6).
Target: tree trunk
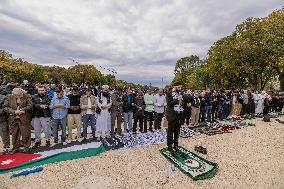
(281, 79)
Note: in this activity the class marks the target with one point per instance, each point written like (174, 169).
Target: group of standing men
(49, 111)
(106, 109)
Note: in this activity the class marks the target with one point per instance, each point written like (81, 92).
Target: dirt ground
(252, 157)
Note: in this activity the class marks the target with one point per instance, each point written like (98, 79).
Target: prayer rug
(186, 132)
(275, 114)
(191, 164)
(113, 143)
(130, 140)
(227, 128)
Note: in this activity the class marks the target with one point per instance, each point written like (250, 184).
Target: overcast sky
(141, 40)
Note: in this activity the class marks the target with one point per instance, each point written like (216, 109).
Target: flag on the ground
(191, 164)
(18, 161)
(12, 160)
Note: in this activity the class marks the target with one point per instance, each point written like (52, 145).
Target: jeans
(221, 112)
(55, 125)
(86, 119)
(208, 113)
(128, 116)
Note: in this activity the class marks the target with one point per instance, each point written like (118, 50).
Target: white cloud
(141, 40)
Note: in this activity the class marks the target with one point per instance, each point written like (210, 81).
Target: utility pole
(162, 82)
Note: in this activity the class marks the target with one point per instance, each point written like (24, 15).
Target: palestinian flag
(42, 156)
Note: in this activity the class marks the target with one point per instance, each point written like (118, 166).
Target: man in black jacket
(195, 109)
(174, 116)
(187, 107)
(74, 114)
(139, 112)
(128, 108)
(41, 114)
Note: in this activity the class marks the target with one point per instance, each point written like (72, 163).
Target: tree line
(251, 57)
(17, 70)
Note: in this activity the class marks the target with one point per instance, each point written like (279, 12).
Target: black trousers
(138, 116)
(173, 131)
(244, 109)
(214, 113)
(158, 120)
(186, 116)
(149, 115)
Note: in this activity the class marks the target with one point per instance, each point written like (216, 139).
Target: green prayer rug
(191, 164)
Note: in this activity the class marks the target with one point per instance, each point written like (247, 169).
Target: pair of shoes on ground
(200, 149)
(38, 144)
(64, 143)
(172, 150)
(5, 151)
(16, 150)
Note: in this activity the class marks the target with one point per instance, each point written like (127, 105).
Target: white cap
(105, 87)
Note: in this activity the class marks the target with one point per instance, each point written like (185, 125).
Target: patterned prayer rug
(191, 164)
(227, 128)
(113, 143)
(186, 132)
(136, 140)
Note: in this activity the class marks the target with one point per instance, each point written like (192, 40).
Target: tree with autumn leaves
(17, 70)
(251, 57)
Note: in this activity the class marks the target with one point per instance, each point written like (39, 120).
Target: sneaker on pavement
(80, 139)
(37, 144)
(5, 151)
(47, 143)
(54, 144)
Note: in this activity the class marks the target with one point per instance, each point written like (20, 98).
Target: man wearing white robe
(260, 106)
(103, 116)
(256, 100)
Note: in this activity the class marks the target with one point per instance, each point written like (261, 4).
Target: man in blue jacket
(59, 106)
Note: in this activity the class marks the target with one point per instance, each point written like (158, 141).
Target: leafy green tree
(184, 67)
